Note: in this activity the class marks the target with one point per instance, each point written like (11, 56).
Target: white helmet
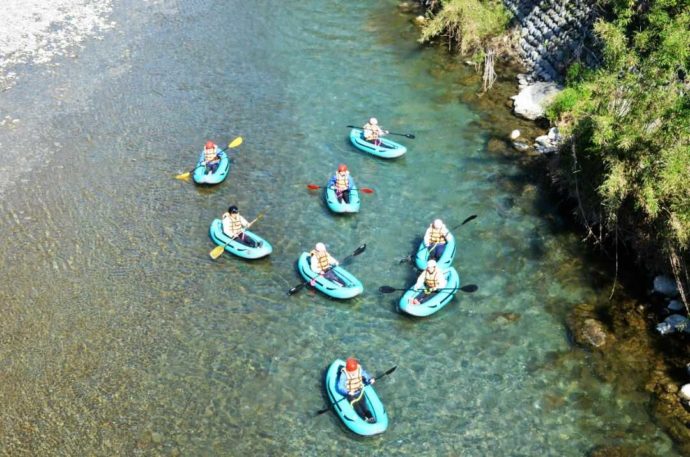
(373, 121)
(431, 264)
(438, 223)
(320, 247)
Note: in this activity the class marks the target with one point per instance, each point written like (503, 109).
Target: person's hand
(372, 380)
(336, 263)
(386, 131)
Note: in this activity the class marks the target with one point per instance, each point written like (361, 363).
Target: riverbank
(620, 332)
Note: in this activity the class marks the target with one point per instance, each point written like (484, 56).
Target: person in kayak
(351, 382)
(234, 225)
(372, 131)
(211, 157)
(435, 239)
(341, 183)
(432, 279)
(322, 262)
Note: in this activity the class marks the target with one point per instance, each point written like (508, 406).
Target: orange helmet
(210, 145)
(351, 364)
(342, 167)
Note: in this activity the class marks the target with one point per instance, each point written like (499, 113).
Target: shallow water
(122, 337)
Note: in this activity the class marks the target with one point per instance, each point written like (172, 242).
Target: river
(120, 336)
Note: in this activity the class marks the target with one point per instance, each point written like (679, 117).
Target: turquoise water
(122, 337)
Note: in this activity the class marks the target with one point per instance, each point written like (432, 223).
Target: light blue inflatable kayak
(444, 262)
(350, 287)
(262, 249)
(337, 207)
(346, 411)
(386, 150)
(436, 302)
(200, 176)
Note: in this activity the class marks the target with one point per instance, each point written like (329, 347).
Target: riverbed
(122, 337)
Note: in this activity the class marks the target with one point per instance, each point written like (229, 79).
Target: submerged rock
(587, 329)
(665, 285)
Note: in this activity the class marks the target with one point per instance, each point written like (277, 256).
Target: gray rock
(676, 305)
(531, 102)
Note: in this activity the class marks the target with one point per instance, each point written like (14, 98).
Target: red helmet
(342, 167)
(210, 145)
(351, 364)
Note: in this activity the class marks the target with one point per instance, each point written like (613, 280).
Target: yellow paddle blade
(216, 252)
(184, 176)
(236, 142)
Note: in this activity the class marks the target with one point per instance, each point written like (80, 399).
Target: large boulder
(665, 285)
(533, 99)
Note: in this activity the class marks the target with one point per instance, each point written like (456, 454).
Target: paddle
(358, 251)
(409, 257)
(365, 190)
(468, 288)
(408, 135)
(233, 144)
(218, 250)
(387, 372)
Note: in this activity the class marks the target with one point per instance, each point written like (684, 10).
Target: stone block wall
(553, 34)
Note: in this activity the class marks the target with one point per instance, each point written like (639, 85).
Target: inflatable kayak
(386, 150)
(444, 262)
(337, 207)
(201, 177)
(436, 302)
(261, 248)
(348, 287)
(346, 411)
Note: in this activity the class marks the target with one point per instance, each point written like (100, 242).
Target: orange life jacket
(431, 279)
(322, 258)
(342, 181)
(436, 235)
(353, 381)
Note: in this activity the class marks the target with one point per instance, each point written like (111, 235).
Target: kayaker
(432, 279)
(211, 157)
(435, 239)
(341, 183)
(351, 381)
(322, 262)
(234, 225)
(372, 131)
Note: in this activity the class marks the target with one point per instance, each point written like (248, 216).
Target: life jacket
(235, 224)
(322, 258)
(342, 181)
(371, 132)
(436, 235)
(431, 279)
(353, 380)
(210, 154)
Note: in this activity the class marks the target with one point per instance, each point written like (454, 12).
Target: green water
(120, 336)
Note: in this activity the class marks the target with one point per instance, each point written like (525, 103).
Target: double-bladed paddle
(408, 135)
(185, 176)
(409, 257)
(218, 250)
(357, 251)
(468, 288)
(365, 190)
(385, 373)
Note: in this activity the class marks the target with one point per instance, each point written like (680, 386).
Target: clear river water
(120, 336)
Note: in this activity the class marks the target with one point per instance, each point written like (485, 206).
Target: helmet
(351, 364)
(233, 209)
(342, 167)
(210, 145)
(373, 121)
(438, 223)
(320, 247)
(431, 264)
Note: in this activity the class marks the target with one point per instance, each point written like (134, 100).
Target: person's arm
(314, 264)
(427, 237)
(442, 283)
(448, 236)
(366, 377)
(340, 385)
(332, 260)
(243, 221)
(331, 182)
(226, 224)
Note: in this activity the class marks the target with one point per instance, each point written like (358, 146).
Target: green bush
(467, 24)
